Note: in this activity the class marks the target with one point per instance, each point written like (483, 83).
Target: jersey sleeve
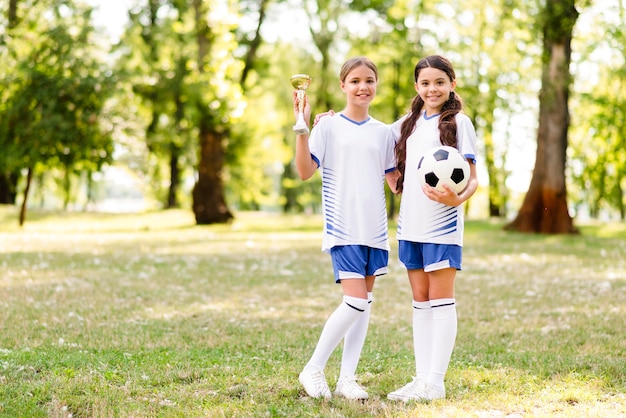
(317, 141)
(396, 126)
(466, 137)
(390, 155)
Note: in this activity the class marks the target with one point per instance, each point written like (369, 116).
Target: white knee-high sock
(422, 338)
(444, 336)
(336, 327)
(354, 341)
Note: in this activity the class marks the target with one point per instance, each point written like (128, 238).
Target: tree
(155, 59)
(598, 140)
(51, 116)
(217, 101)
(8, 178)
(491, 74)
(251, 55)
(544, 209)
(327, 26)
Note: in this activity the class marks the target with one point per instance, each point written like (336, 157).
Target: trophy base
(301, 129)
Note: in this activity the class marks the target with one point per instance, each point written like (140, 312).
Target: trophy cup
(300, 82)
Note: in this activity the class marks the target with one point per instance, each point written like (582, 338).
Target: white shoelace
(319, 380)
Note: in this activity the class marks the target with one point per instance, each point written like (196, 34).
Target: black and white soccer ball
(444, 165)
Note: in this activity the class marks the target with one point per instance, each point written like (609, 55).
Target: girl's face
(434, 87)
(360, 86)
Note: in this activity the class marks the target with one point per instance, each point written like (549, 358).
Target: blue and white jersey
(353, 158)
(421, 219)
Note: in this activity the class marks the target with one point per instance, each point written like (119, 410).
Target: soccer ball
(444, 165)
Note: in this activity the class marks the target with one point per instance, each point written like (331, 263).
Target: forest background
(187, 103)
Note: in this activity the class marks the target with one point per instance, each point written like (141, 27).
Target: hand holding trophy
(300, 82)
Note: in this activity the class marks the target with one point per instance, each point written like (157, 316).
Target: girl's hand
(447, 197)
(306, 110)
(321, 115)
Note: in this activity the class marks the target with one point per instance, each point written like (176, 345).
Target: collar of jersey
(353, 121)
(431, 116)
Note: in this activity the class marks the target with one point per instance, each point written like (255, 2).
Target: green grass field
(149, 315)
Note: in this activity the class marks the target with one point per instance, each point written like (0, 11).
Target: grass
(148, 315)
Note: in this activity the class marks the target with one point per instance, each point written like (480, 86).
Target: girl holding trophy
(355, 154)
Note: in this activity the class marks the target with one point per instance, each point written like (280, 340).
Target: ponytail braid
(447, 120)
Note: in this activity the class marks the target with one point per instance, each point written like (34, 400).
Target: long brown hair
(447, 120)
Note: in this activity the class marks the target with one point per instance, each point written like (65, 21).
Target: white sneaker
(350, 389)
(408, 391)
(418, 390)
(431, 392)
(314, 383)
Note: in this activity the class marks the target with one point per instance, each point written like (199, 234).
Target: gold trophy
(300, 82)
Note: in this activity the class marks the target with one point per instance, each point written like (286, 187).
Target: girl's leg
(336, 327)
(355, 338)
(354, 341)
(422, 337)
(422, 323)
(444, 325)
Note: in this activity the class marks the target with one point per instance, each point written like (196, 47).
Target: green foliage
(54, 94)
(558, 19)
(176, 94)
(598, 136)
(57, 87)
(260, 174)
(155, 56)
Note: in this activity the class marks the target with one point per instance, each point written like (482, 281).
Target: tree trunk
(176, 150)
(12, 14)
(29, 180)
(208, 193)
(209, 203)
(8, 187)
(172, 201)
(67, 188)
(544, 209)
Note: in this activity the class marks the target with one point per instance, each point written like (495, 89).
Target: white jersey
(353, 158)
(422, 219)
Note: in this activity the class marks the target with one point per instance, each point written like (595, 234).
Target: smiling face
(434, 87)
(360, 86)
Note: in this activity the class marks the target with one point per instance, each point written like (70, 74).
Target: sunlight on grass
(151, 315)
(605, 230)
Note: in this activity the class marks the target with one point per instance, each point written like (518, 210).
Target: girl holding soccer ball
(355, 154)
(430, 224)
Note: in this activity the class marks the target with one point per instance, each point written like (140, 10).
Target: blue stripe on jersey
(445, 229)
(335, 225)
(444, 221)
(355, 122)
(330, 228)
(470, 157)
(317, 161)
(399, 227)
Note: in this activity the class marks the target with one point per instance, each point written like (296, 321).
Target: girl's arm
(305, 165)
(392, 180)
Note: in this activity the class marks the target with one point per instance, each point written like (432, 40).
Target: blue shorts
(430, 257)
(358, 261)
